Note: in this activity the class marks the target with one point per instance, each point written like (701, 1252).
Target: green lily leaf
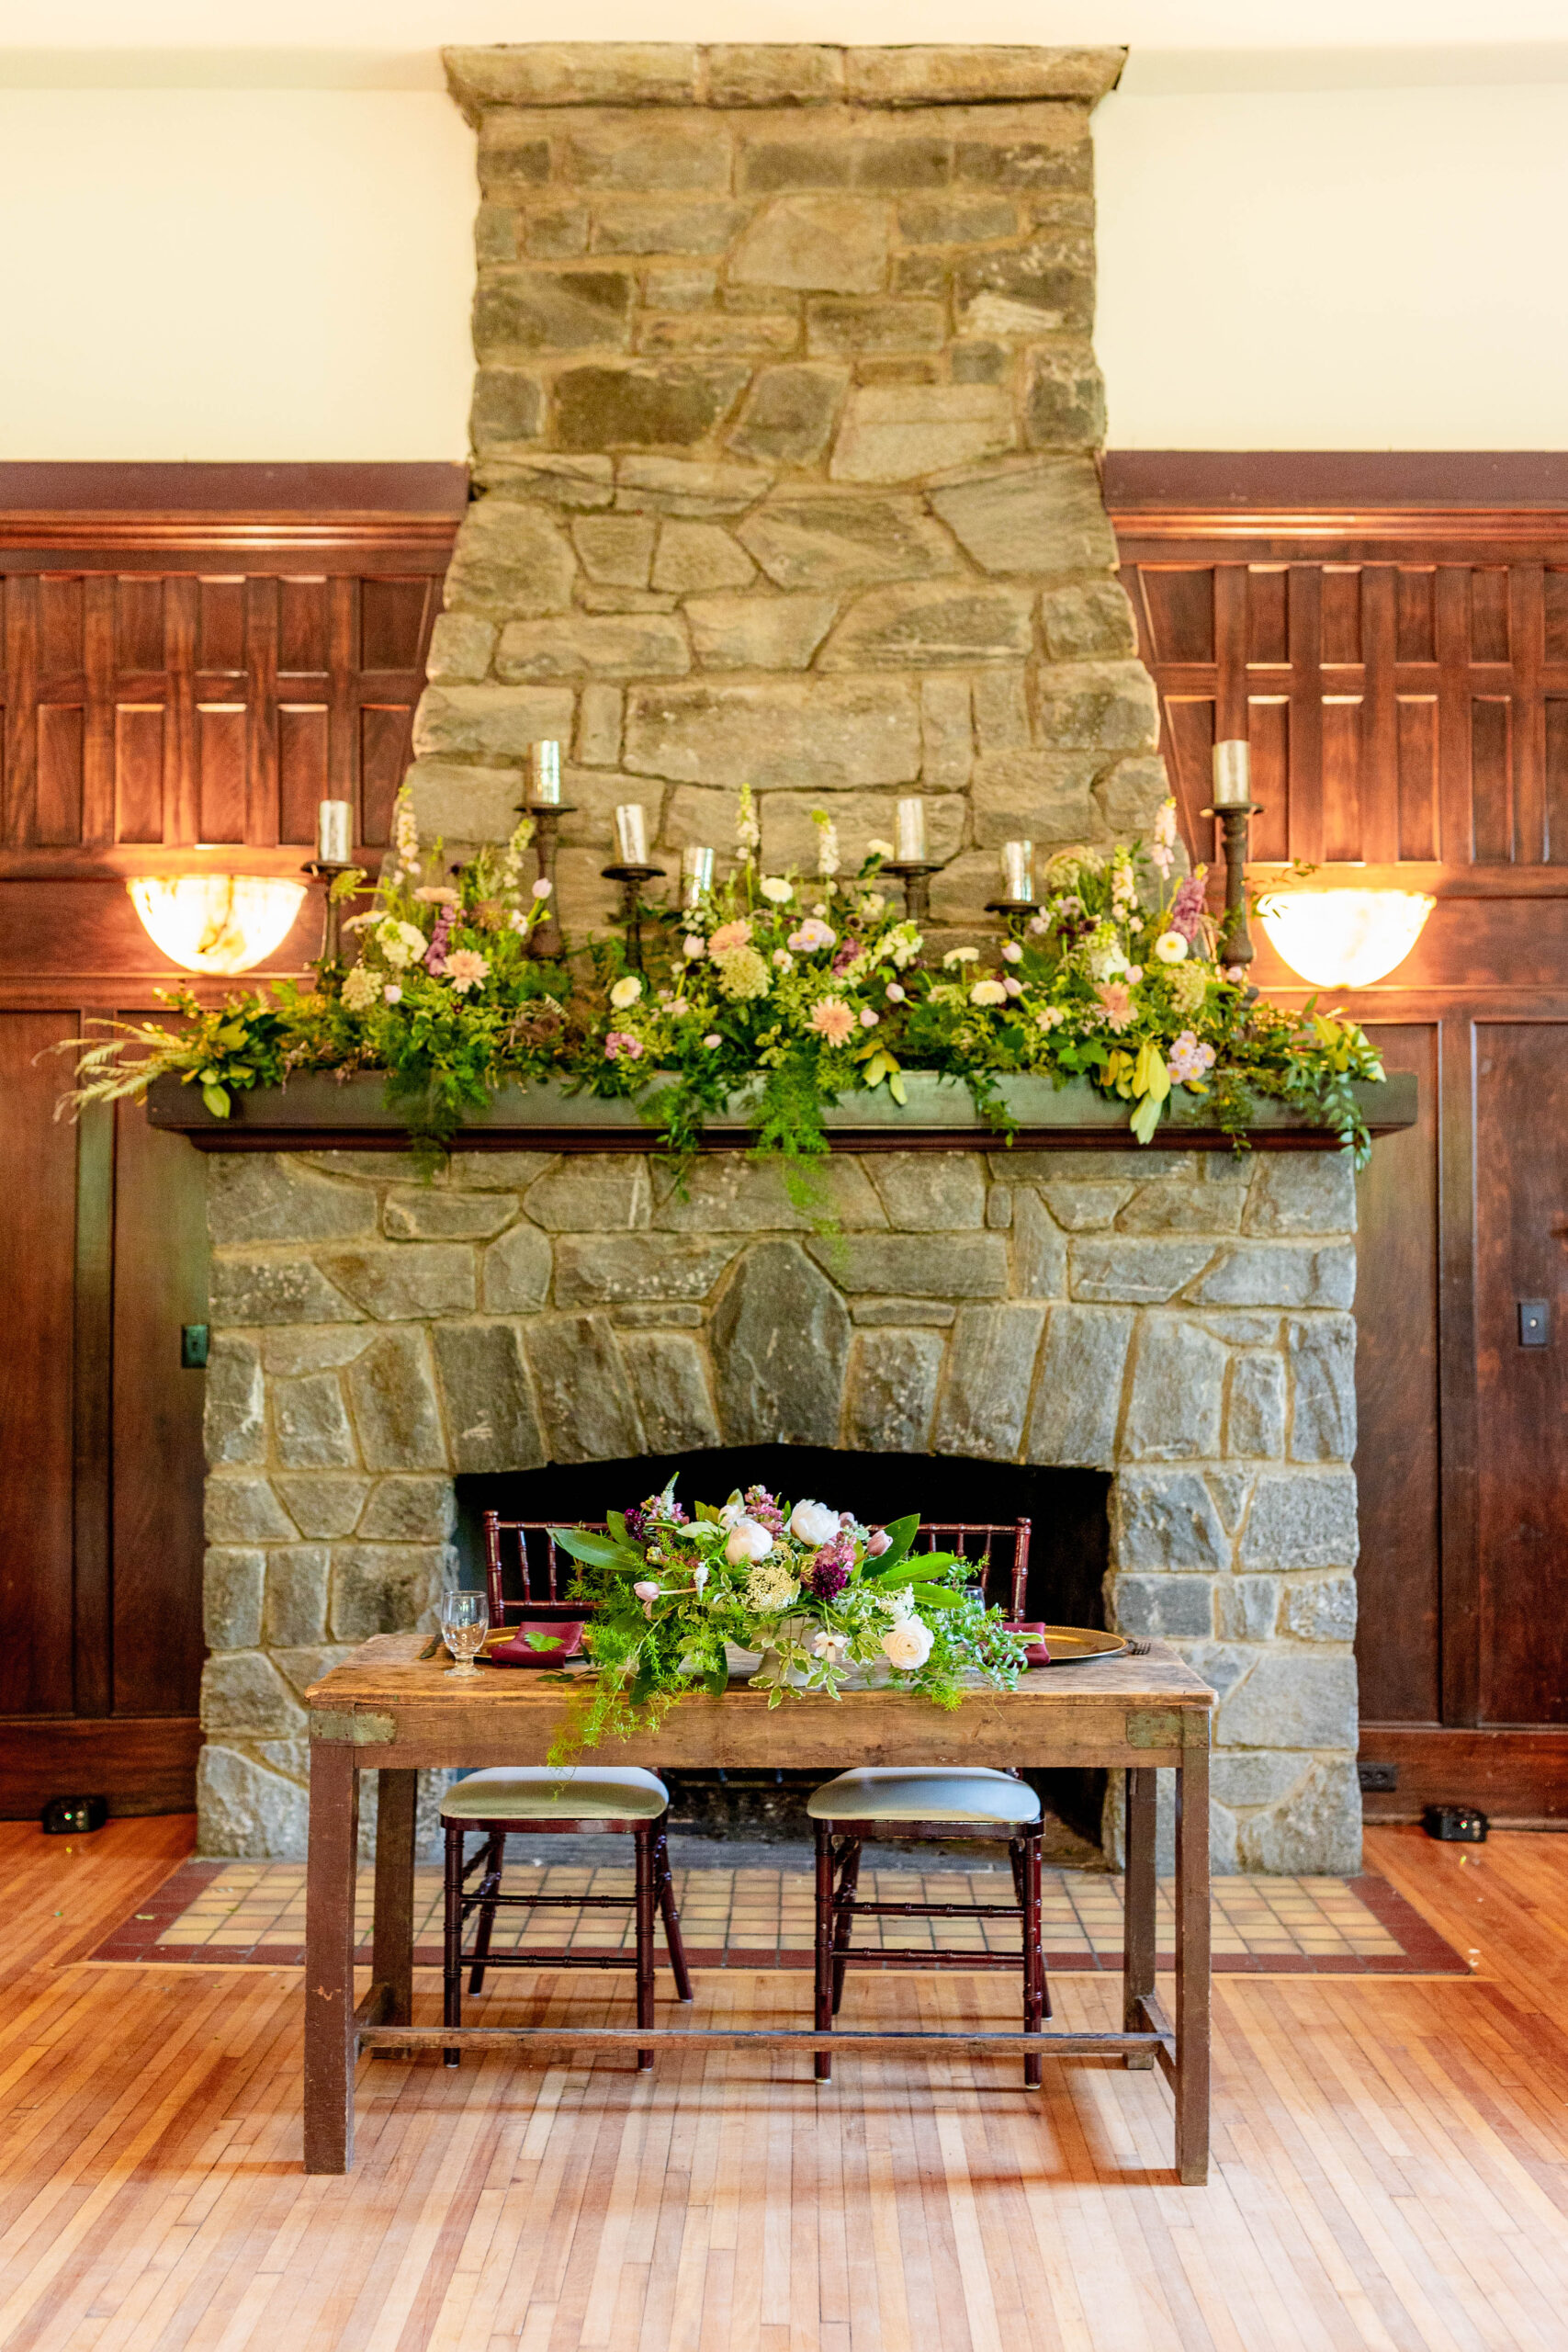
(597, 1551)
(903, 1533)
(936, 1596)
(216, 1100)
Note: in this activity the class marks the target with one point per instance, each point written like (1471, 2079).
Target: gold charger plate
(1070, 1644)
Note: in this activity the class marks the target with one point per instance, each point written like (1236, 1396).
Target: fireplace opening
(1068, 1555)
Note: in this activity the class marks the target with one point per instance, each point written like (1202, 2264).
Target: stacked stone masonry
(785, 428)
(1182, 1320)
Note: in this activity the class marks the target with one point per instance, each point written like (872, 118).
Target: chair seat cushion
(540, 1793)
(938, 1793)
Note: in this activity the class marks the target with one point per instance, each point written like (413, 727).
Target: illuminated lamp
(217, 922)
(1344, 939)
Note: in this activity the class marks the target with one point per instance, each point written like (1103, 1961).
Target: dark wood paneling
(1522, 1252)
(180, 656)
(160, 1283)
(142, 1765)
(1519, 1778)
(1391, 633)
(38, 1184)
(1400, 1575)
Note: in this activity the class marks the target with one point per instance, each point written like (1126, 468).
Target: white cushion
(940, 1793)
(539, 1792)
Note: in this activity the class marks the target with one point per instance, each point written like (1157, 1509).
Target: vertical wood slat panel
(1306, 713)
(140, 765)
(1526, 631)
(91, 1483)
(1451, 617)
(343, 741)
(1416, 776)
(1343, 726)
(1492, 778)
(38, 1184)
(261, 723)
(1554, 744)
(1456, 1341)
(21, 710)
(1381, 775)
(57, 822)
(99, 749)
(181, 805)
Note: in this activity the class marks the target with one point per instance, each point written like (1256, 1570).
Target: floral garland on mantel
(805, 990)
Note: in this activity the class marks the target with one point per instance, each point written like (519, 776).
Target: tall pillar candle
(335, 832)
(631, 834)
(1233, 775)
(909, 831)
(696, 874)
(1018, 870)
(544, 774)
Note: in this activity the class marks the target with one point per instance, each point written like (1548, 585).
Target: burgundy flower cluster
(642, 1517)
(830, 1571)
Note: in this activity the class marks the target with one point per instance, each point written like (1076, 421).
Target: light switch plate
(1535, 1323)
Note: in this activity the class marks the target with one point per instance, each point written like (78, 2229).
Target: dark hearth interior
(1068, 1555)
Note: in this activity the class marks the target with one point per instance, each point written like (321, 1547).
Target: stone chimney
(785, 433)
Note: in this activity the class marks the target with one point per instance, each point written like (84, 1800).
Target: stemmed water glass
(464, 1622)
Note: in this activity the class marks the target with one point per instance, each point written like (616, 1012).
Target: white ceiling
(1175, 44)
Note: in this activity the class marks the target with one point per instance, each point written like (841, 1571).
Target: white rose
(775, 887)
(1170, 947)
(694, 946)
(626, 991)
(748, 1541)
(908, 1644)
(813, 1524)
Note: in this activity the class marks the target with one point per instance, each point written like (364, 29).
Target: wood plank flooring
(1391, 2160)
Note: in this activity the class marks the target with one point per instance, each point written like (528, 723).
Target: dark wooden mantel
(938, 1116)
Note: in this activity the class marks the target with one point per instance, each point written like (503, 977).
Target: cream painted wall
(1335, 270)
(284, 273)
(218, 273)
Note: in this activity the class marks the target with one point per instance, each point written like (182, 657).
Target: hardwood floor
(1390, 2161)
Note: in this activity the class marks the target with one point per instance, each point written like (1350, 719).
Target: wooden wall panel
(1397, 1290)
(37, 1183)
(173, 669)
(1393, 641)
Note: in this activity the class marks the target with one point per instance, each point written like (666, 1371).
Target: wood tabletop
(400, 1708)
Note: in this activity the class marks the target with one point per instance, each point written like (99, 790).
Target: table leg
(1193, 1960)
(1138, 1908)
(391, 1961)
(329, 1957)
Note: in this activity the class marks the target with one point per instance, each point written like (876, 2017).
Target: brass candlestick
(916, 876)
(545, 940)
(1235, 821)
(326, 870)
(631, 879)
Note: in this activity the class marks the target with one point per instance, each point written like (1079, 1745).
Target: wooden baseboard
(141, 1763)
(1516, 1777)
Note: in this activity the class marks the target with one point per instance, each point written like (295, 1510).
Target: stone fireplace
(1178, 1320)
(784, 432)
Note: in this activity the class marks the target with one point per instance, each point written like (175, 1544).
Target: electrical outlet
(1535, 1323)
(1378, 1776)
(192, 1347)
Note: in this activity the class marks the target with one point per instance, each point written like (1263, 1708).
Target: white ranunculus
(748, 1541)
(988, 992)
(774, 886)
(1170, 947)
(626, 991)
(813, 1523)
(908, 1644)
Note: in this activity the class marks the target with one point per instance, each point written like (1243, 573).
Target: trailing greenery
(794, 992)
(813, 1600)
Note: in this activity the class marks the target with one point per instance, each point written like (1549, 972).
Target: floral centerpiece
(795, 990)
(828, 1602)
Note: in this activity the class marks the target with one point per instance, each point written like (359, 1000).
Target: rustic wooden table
(387, 1710)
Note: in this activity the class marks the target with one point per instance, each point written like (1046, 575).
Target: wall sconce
(217, 922)
(1344, 939)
